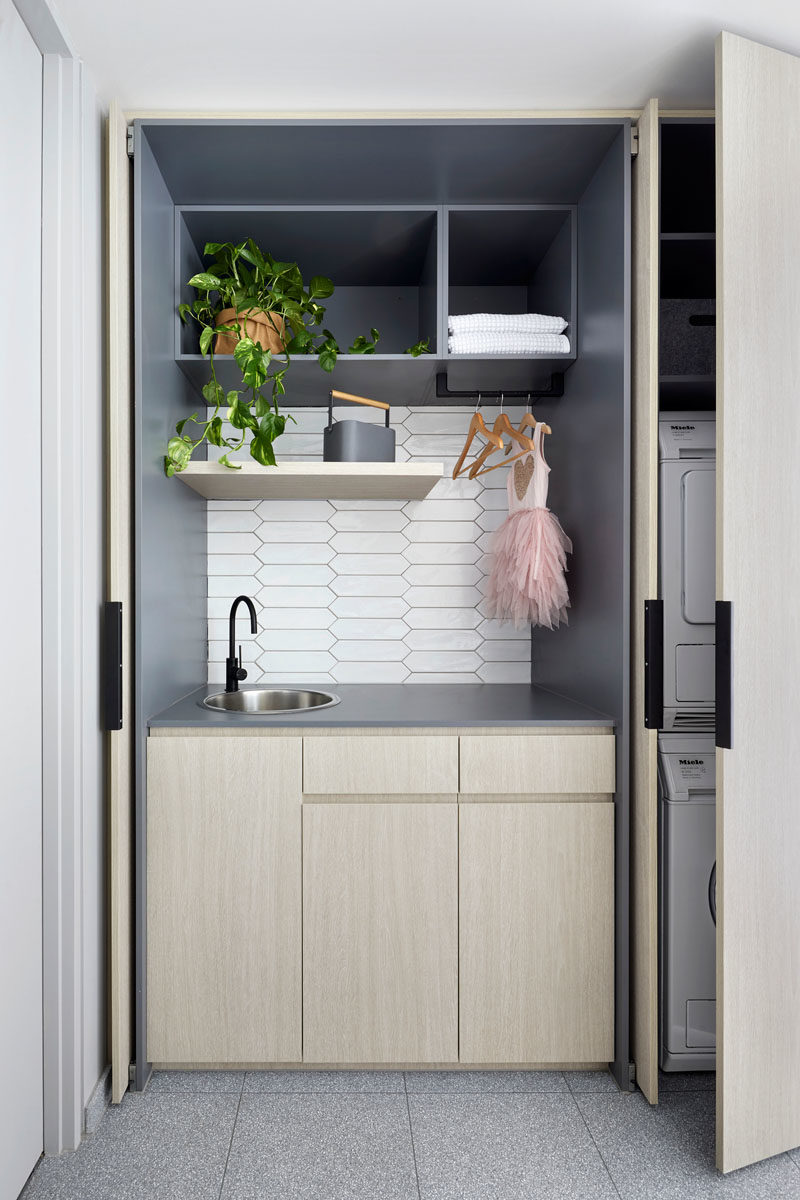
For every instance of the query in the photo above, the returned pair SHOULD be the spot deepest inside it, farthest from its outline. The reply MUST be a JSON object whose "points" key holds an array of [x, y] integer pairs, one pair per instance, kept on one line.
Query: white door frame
{"points": [[62, 555]]}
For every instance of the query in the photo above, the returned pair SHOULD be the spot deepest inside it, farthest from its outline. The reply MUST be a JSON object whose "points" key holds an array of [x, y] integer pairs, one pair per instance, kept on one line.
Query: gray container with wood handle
{"points": [[357, 441]]}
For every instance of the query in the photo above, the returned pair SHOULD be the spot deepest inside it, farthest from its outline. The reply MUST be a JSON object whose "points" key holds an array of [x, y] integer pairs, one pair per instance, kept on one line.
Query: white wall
{"points": [[21, 1100], [73, 533]]}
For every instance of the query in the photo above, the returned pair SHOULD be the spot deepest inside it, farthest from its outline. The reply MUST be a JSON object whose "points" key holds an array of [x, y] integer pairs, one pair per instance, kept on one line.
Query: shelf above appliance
{"points": [[313, 481]]}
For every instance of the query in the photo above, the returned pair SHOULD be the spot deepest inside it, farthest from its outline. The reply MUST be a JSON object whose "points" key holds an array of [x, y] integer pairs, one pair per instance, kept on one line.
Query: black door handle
{"points": [[723, 671], [112, 665], [653, 664]]}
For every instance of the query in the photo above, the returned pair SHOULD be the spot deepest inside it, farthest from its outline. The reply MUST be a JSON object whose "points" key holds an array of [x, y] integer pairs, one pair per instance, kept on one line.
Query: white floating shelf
{"points": [[313, 481]]}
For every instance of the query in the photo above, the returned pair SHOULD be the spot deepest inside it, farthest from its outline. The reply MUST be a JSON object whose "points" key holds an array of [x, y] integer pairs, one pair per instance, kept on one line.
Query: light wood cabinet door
{"points": [[224, 876], [536, 933], [758, 573], [644, 586], [380, 933], [119, 565]]}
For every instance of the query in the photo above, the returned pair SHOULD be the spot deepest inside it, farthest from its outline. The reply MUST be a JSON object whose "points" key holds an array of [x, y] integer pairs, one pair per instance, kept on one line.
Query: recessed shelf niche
{"points": [[687, 275], [383, 262], [688, 180], [515, 259]]}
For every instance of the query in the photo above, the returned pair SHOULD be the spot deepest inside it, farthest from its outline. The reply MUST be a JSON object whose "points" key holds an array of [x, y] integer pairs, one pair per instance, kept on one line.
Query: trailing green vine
{"points": [[253, 284]]}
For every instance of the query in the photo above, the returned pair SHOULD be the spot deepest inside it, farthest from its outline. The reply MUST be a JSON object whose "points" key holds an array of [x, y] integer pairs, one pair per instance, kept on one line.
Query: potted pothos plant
{"points": [[262, 312]]}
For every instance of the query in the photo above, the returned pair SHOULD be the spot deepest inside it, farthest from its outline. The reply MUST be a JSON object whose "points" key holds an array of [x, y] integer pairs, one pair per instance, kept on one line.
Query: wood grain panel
{"points": [[321, 731], [644, 576], [550, 764], [539, 797], [536, 938], [224, 900], [758, 570], [385, 798], [119, 588], [382, 765], [313, 481], [380, 933]]}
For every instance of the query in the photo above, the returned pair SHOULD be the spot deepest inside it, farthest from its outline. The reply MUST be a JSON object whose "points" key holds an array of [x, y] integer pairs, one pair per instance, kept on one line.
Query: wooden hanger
{"points": [[476, 425], [501, 426], [529, 422]]}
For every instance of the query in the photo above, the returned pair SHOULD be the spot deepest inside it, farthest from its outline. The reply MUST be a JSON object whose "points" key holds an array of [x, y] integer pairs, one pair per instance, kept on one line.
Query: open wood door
{"points": [[644, 549], [758, 574], [119, 485]]}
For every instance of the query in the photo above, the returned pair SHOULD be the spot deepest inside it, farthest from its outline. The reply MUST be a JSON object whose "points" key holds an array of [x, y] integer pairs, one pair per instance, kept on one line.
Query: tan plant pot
{"points": [[265, 328]]}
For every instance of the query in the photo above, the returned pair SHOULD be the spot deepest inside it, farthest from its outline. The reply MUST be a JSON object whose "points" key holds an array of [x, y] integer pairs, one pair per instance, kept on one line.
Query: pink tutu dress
{"points": [[529, 550]]}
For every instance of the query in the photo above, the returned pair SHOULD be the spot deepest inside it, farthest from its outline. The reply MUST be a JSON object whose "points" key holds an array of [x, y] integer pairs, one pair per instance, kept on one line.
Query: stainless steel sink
{"points": [[251, 701]]}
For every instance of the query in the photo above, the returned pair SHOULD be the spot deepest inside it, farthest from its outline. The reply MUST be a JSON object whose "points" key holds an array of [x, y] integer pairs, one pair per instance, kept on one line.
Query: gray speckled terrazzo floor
{"points": [[390, 1135]]}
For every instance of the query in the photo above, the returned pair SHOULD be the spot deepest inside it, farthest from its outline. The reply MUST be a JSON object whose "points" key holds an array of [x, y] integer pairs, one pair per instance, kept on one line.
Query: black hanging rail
{"points": [[555, 390]]}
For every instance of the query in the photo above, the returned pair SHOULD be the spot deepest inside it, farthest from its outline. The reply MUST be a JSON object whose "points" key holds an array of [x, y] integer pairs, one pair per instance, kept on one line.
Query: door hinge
{"points": [[634, 140], [130, 141], [632, 1074], [131, 1072]]}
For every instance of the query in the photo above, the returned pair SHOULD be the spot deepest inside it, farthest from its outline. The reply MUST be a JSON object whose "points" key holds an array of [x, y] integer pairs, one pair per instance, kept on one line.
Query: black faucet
{"points": [[234, 671]]}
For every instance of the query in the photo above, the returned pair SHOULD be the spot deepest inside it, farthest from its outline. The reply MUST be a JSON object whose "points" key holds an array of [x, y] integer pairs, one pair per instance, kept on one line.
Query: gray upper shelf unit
{"points": [[412, 219], [402, 270]]}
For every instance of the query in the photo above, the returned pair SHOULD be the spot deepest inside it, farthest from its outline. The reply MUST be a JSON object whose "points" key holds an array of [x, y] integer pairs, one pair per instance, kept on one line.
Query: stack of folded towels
{"points": [[507, 333]]}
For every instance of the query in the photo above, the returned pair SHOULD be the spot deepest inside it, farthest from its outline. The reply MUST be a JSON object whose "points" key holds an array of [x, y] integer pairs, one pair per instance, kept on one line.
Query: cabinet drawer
{"points": [[380, 765], [551, 763]]}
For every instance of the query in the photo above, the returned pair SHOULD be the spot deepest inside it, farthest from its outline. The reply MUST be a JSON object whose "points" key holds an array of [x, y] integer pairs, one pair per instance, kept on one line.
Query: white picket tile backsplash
{"points": [[441, 553], [429, 573], [294, 574], [443, 618], [369, 543], [368, 521], [369, 585], [372, 564], [366, 591], [370, 627], [369, 606], [304, 553]]}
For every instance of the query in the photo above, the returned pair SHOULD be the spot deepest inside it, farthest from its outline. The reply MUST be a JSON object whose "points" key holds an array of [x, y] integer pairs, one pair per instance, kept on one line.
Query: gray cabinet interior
{"points": [[687, 265], [383, 262], [388, 208]]}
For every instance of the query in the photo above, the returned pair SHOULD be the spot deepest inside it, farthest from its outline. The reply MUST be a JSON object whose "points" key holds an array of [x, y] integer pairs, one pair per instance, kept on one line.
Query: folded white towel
{"points": [[506, 323], [508, 343]]}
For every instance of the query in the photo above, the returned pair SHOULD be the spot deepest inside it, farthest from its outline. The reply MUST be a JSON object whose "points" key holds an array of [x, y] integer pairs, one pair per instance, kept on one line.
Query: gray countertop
{"points": [[364, 705]]}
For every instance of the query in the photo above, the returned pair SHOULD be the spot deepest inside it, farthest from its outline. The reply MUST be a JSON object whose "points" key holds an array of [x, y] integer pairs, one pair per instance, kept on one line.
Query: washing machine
{"points": [[687, 901], [687, 566]]}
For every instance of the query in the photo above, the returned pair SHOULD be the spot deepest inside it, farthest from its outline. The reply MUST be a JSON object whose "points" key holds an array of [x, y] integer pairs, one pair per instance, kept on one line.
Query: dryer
{"points": [[687, 902], [686, 562]]}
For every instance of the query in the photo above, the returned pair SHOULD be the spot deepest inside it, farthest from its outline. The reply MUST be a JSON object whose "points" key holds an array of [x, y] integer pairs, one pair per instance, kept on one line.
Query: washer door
{"points": [[688, 929]]}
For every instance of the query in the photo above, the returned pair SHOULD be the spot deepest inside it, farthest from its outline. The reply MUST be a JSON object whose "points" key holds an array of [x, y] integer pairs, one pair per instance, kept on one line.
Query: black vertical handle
{"points": [[723, 672], [112, 665], [653, 664]]}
